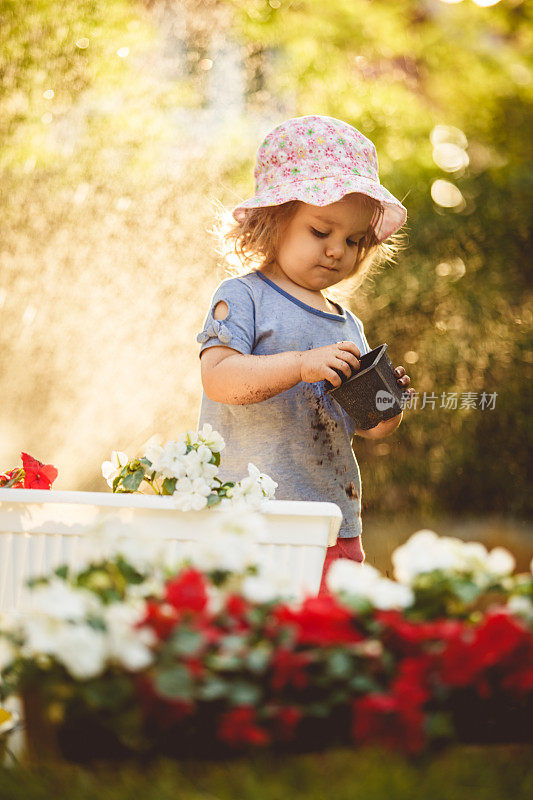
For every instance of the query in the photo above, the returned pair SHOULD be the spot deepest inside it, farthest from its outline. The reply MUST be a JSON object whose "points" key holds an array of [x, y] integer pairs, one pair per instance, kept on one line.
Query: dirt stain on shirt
{"points": [[351, 491]]}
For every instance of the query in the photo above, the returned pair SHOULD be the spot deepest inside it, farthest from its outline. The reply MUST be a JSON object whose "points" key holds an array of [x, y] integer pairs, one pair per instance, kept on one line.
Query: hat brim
{"points": [[326, 190]]}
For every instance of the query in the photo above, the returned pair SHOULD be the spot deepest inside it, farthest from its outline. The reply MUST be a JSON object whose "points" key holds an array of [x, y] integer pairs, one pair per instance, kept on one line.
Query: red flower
{"points": [[500, 644], [236, 605], [411, 685], [289, 669], [162, 618], [195, 666], [407, 637], [187, 591], [320, 621], [238, 727], [381, 719], [166, 712], [37, 475], [286, 721], [9, 475]]}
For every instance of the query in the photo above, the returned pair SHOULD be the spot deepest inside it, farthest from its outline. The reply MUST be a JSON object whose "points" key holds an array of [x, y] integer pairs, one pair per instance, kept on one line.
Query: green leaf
{"points": [[185, 642], [132, 481], [363, 684], [467, 591], [225, 662], [214, 689], [243, 693], [175, 683], [169, 485], [233, 642], [257, 660], [216, 459], [318, 710], [213, 499], [439, 726], [62, 572], [340, 664]]}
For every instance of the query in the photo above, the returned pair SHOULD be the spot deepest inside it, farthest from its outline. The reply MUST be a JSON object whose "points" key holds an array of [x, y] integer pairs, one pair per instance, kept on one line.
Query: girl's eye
{"points": [[321, 235]]}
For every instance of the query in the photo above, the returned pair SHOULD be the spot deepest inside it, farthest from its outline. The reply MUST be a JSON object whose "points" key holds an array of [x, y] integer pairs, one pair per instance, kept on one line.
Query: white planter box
{"points": [[39, 530]]}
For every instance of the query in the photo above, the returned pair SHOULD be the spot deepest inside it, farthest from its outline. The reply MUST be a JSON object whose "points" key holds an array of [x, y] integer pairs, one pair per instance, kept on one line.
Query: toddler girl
{"points": [[272, 336]]}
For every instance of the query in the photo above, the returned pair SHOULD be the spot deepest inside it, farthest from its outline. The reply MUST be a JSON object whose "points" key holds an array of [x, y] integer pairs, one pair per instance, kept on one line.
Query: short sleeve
{"points": [[361, 331], [237, 329]]}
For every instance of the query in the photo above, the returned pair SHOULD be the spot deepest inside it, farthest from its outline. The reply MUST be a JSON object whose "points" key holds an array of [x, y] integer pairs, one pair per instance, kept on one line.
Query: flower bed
{"points": [[127, 656]]}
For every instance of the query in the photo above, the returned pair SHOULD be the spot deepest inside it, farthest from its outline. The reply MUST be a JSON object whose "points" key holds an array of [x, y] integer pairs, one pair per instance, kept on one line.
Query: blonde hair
{"points": [[254, 242]]}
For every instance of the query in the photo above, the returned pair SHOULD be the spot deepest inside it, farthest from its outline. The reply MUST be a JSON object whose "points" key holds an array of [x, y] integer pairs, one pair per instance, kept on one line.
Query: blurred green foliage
{"points": [[88, 194], [462, 773], [396, 71]]}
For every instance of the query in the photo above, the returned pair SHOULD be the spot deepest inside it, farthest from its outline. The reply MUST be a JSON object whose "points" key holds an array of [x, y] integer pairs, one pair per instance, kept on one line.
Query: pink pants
{"points": [[345, 548]]}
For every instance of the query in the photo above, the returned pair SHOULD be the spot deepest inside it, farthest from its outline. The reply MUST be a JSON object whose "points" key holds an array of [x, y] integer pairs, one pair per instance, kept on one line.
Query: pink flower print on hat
{"points": [[319, 160]]}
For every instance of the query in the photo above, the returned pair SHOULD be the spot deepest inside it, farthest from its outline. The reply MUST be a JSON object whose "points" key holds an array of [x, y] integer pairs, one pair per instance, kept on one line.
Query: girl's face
{"points": [[320, 243]]}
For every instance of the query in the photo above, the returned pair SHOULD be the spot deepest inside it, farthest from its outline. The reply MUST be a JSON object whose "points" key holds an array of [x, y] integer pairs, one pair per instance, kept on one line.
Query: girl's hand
{"points": [[320, 363], [403, 380]]}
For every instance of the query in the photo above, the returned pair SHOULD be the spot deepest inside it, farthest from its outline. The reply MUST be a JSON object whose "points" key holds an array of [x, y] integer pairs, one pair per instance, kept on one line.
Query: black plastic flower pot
{"points": [[371, 394]]}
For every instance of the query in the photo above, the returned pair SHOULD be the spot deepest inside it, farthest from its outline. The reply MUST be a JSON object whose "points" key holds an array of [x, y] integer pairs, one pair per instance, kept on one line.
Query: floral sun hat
{"points": [[319, 160]]}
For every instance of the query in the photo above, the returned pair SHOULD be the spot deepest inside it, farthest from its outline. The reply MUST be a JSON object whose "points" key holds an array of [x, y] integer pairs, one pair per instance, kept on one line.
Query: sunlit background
{"points": [[123, 122]]}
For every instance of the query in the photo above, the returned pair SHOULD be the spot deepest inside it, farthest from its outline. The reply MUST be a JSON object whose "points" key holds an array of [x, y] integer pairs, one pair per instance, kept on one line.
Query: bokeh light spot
{"points": [[411, 357], [450, 157], [48, 94], [123, 52], [82, 43], [446, 194]]}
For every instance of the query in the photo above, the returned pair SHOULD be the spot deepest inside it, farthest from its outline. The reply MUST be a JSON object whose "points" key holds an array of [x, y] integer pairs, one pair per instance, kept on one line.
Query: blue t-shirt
{"points": [[300, 437]]}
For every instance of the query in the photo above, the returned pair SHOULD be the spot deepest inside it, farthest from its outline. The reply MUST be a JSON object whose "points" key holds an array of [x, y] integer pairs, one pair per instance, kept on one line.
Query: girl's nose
{"points": [[335, 250]]}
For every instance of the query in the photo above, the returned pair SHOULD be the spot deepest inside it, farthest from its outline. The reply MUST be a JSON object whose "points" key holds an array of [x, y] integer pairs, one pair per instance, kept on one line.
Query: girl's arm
{"points": [[382, 429], [238, 379]]}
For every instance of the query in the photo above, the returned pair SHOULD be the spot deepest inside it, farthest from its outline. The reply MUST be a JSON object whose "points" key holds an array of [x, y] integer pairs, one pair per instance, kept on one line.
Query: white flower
{"points": [[386, 594], [522, 606], [500, 562], [57, 600], [472, 557], [245, 493], [272, 581], [211, 438], [192, 438], [152, 587], [350, 576], [365, 581], [40, 635], [189, 501], [266, 483], [110, 469], [230, 552], [81, 649], [215, 599], [257, 589], [126, 644], [168, 461], [423, 552], [154, 454], [7, 653]]}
